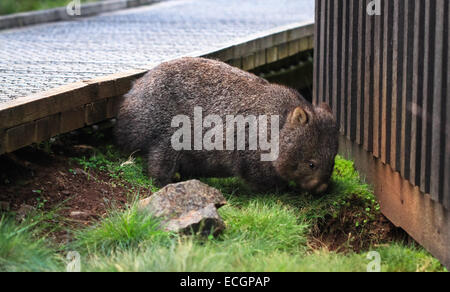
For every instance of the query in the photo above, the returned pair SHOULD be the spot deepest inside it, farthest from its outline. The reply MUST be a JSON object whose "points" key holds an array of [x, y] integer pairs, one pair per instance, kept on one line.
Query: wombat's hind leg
{"points": [[162, 165]]}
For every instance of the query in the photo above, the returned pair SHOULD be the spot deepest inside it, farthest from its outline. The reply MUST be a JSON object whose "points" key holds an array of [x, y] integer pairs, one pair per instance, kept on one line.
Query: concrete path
{"points": [[37, 58]]}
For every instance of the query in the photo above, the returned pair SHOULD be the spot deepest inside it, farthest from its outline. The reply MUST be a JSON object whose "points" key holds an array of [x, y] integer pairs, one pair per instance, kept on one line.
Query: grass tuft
{"points": [[121, 229], [22, 247]]}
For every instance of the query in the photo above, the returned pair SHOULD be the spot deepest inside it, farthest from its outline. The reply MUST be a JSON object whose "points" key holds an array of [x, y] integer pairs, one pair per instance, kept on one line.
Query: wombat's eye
{"points": [[312, 165]]}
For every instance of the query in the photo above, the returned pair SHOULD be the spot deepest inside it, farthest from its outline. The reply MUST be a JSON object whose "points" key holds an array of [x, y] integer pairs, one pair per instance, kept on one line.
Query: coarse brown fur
{"points": [[308, 134]]}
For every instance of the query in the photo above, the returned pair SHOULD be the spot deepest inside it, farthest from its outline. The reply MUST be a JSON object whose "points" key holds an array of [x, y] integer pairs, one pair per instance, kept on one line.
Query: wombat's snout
{"points": [[320, 189], [316, 186]]}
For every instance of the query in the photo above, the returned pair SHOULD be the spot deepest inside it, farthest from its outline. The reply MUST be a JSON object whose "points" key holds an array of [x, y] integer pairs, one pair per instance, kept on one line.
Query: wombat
{"points": [[308, 135]]}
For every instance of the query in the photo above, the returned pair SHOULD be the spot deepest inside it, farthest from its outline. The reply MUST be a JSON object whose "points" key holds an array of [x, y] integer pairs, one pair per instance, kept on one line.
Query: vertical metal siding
{"points": [[386, 78]]}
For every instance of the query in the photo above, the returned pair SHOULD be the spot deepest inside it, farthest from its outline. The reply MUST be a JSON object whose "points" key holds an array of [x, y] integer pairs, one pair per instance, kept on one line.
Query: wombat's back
{"points": [[176, 87]]}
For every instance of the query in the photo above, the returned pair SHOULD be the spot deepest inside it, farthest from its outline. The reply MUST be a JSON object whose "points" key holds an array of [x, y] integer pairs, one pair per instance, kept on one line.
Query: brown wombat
{"points": [[308, 135]]}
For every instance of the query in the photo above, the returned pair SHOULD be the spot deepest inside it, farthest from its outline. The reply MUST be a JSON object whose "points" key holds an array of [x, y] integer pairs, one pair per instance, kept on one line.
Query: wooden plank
{"points": [[260, 58], [410, 57], [96, 112], [272, 55], [244, 49], [310, 42], [304, 44], [368, 81], [283, 51], [124, 80], [427, 112], [343, 75], [446, 95], [302, 32], [2, 141], [387, 82], [359, 94], [72, 119], [321, 51], [392, 138], [44, 104], [47, 128], [248, 63], [335, 93], [438, 134], [415, 100], [316, 67], [378, 37], [65, 97], [236, 63], [105, 86], [353, 81], [20, 136], [113, 107], [293, 47], [328, 66], [350, 80], [280, 38]]}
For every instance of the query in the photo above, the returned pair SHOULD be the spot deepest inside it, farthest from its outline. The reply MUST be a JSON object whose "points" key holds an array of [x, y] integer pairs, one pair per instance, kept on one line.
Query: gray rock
{"points": [[187, 206]]}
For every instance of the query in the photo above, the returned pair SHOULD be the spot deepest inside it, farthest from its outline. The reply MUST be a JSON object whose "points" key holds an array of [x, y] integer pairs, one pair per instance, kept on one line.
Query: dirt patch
{"points": [[348, 232], [31, 177]]}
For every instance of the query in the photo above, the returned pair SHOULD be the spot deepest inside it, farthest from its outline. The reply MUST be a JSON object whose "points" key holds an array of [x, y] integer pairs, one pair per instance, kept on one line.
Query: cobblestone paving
{"points": [[41, 57]]}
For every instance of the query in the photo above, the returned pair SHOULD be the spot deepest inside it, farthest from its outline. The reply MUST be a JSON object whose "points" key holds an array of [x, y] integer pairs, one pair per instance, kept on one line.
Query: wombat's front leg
{"points": [[162, 165]]}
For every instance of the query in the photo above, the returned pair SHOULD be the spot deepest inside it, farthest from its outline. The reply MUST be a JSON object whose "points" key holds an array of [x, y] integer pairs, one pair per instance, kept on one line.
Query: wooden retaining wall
{"points": [[386, 78]]}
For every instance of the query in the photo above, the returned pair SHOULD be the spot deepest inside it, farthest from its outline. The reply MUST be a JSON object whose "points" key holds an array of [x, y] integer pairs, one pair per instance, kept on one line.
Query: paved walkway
{"points": [[41, 57]]}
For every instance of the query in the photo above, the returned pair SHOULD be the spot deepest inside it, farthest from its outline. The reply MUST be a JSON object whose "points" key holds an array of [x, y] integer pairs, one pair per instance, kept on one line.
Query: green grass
{"points": [[121, 230], [15, 6], [24, 248], [265, 232], [125, 169]]}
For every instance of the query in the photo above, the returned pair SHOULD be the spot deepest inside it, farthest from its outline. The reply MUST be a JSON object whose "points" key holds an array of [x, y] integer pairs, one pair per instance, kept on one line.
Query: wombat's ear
{"points": [[326, 107], [299, 116]]}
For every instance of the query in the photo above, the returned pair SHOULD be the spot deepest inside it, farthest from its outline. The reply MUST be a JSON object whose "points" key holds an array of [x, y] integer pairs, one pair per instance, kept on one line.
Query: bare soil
{"points": [[343, 235], [32, 177]]}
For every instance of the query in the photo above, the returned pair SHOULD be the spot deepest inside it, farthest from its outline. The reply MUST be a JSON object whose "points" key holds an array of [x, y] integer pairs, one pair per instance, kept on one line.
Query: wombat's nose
{"points": [[320, 189]]}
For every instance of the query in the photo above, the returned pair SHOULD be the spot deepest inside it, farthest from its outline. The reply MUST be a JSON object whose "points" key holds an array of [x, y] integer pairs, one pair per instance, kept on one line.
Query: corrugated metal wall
{"points": [[387, 79]]}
